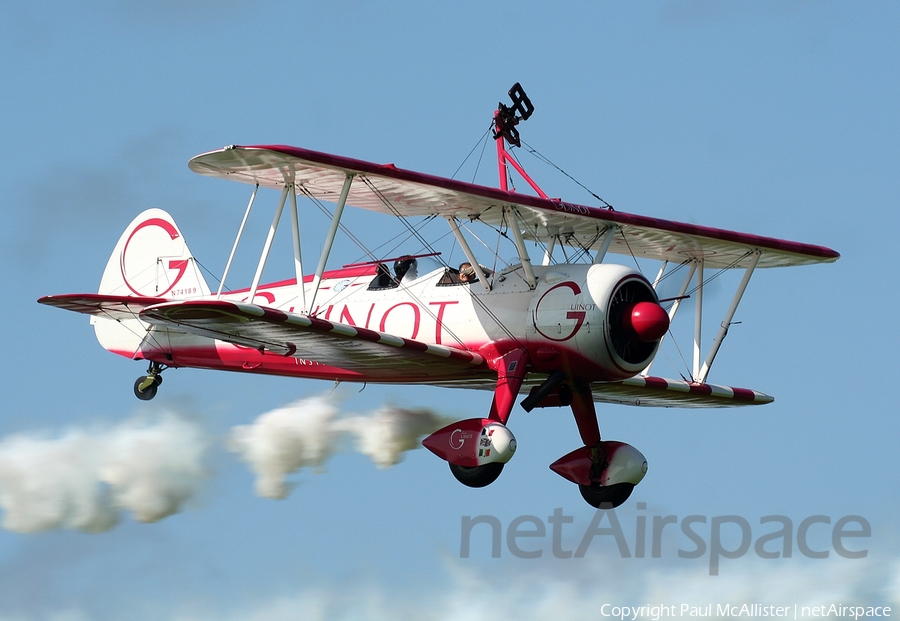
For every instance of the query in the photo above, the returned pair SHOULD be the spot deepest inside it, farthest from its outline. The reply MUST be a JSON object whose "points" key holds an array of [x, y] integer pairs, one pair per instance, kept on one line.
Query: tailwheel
{"points": [[606, 496], [146, 386], [477, 476]]}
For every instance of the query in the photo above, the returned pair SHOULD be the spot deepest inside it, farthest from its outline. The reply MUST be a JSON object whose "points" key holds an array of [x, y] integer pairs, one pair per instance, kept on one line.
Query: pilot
{"points": [[405, 265], [466, 272]]}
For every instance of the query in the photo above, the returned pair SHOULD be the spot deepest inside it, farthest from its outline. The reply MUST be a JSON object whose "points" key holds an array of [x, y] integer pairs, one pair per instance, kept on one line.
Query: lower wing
{"points": [[375, 354], [649, 392], [669, 393]]}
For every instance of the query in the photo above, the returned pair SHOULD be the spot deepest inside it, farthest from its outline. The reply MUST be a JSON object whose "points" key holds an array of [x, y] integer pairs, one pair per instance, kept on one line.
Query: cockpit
{"points": [[408, 269]]}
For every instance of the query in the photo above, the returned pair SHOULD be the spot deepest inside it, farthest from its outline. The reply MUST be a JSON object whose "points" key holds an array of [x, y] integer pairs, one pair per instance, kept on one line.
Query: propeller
{"points": [[636, 322]]}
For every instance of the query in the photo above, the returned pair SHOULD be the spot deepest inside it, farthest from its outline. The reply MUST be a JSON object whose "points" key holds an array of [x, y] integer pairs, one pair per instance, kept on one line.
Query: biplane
{"points": [[567, 333]]}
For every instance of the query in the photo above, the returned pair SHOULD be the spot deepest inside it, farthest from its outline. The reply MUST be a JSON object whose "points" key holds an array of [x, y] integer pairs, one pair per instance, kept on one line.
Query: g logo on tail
{"points": [[175, 264]]}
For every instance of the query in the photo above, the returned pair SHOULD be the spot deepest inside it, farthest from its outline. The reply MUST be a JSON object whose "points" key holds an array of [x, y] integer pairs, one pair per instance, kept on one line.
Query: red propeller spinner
{"points": [[648, 320]]}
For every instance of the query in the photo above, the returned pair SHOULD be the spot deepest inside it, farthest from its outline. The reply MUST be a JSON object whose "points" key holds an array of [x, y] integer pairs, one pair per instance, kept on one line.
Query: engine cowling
{"points": [[635, 322], [603, 319]]}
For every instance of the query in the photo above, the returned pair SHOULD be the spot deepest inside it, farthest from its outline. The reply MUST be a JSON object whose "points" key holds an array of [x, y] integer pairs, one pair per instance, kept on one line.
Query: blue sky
{"points": [[767, 117]]}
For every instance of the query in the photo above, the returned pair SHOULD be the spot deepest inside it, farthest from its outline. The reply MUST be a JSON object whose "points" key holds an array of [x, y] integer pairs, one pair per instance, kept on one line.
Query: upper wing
{"points": [[386, 188], [110, 306], [354, 349]]}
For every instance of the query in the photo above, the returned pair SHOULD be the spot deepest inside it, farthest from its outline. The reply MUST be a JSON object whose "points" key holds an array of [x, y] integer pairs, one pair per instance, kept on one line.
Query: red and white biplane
{"points": [[568, 334]]}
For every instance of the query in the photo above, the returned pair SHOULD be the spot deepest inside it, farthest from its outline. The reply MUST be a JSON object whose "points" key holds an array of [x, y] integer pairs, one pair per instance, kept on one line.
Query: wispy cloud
{"points": [[89, 200], [593, 589]]}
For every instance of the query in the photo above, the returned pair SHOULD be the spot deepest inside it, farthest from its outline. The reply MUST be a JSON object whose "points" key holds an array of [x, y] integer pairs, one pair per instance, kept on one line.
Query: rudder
{"points": [[152, 259]]}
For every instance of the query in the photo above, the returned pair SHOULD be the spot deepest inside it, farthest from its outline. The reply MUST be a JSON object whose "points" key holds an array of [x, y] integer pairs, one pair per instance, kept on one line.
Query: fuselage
{"points": [[563, 323]]}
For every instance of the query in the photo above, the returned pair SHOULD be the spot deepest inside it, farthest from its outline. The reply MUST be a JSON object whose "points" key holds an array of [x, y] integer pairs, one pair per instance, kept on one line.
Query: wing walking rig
{"points": [[568, 334]]}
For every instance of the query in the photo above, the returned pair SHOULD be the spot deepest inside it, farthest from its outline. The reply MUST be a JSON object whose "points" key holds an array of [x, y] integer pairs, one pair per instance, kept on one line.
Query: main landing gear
{"points": [[606, 496], [477, 476], [605, 471], [477, 448], [145, 386]]}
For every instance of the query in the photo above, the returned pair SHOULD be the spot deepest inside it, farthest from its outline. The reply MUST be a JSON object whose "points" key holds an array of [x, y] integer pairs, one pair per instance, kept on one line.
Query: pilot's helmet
{"points": [[467, 271], [405, 265]]}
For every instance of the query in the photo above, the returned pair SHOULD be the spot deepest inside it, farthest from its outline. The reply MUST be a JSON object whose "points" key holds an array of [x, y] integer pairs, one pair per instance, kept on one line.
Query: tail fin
{"points": [[153, 260], [150, 260]]}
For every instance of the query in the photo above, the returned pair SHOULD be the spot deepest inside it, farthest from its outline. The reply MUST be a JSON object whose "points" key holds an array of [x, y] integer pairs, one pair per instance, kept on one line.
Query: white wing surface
{"points": [[388, 189]]}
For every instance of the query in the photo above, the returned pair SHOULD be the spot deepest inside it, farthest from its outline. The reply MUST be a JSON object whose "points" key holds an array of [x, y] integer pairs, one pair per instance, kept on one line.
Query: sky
{"points": [[774, 118]]}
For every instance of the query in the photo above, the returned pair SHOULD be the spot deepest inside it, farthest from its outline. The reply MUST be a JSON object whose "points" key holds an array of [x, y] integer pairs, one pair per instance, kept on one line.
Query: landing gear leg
{"points": [[511, 369], [145, 387], [586, 418], [595, 494]]}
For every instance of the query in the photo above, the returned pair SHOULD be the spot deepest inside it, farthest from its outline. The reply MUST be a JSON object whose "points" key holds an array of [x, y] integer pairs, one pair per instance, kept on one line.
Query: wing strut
{"points": [[237, 240], [468, 252], [674, 309], [548, 251], [729, 315], [523, 251], [659, 274], [298, 257], [698, 321], [608, 236], [329, 240], [268, 245], [700, 372]]}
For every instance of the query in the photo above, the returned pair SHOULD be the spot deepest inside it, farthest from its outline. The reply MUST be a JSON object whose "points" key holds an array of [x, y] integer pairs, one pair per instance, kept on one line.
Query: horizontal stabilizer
{"points": [[109, 306]]}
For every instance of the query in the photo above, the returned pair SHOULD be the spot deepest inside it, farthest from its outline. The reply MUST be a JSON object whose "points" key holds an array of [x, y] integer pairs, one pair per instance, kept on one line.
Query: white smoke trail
{"points": [[390, 431], [84, 479], [307, 432], [286, 439]]}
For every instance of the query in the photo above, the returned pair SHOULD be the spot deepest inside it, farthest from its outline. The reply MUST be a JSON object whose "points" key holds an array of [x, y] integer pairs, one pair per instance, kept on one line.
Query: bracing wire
{"points": [[689, 293], [482, 141], [718, 273], [207, 270], [484, 145], [387, 203], [547, 161]]}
